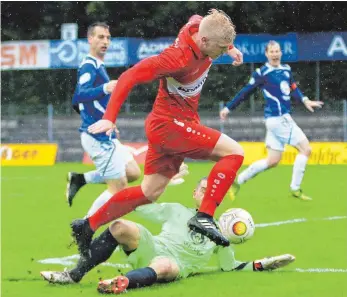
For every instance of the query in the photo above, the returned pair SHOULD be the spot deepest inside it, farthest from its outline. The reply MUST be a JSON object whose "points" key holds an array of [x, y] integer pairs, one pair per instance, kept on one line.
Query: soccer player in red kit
{"points": [[173, 127]]}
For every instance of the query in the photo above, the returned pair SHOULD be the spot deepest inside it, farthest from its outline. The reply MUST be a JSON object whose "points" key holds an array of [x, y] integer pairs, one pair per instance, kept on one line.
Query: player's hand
{"points": [[111, 85], [102, 126], [223, 114], [236, 55], [311, 104], [116, 131]]}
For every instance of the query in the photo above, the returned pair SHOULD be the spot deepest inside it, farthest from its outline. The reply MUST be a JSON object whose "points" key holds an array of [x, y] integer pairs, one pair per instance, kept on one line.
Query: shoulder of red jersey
{"points": [[176, 55], [180, 49], [192, 26], [195, 18]]}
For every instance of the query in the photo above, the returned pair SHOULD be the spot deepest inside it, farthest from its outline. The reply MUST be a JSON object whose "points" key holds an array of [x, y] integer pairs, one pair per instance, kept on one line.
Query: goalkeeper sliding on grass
{"points": [[177, 252]]}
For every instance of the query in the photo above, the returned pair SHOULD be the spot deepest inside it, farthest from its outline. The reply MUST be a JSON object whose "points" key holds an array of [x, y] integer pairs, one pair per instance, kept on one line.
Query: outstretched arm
{"points": [[236, 54], [255, 81], [227, 261], [299, 96], [168, 62]]}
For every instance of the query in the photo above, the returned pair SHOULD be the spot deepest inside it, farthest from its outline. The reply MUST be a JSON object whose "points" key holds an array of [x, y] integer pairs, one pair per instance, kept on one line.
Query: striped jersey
{"points": [[90, 98], [277, 85]]}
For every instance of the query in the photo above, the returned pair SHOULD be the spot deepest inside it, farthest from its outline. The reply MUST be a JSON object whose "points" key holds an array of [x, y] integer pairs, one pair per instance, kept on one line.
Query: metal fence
{"points": [[15, 111]]}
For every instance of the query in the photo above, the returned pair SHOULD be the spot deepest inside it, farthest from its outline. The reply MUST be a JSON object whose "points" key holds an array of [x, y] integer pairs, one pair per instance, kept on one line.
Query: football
{"points": [[237, 225]]}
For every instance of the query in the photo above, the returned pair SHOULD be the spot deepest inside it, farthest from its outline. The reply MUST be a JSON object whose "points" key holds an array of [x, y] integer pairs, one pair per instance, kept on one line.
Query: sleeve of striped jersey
{"points": [[85, 90], [295, 91], [166, 63], [255, 81]]}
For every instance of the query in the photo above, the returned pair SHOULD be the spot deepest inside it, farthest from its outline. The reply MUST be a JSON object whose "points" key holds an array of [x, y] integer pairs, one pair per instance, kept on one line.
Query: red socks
{"points": [[219, 181], [119, 205]]}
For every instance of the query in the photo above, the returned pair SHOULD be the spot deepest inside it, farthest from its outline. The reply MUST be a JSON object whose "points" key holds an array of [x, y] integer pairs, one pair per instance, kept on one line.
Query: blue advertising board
{"points": [[63, 54], [330, 46], [253, 47], [69, 54], [140, 48]]}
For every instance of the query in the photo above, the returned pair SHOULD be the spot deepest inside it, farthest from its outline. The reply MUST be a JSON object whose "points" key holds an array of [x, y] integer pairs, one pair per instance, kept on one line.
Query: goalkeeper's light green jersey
{"points": [[192, 251]]}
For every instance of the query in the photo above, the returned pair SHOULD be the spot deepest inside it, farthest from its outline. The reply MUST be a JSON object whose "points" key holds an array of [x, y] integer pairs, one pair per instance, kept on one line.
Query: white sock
{"points": [[100, 201], [252, 171], [298, 171], [93, 177]]}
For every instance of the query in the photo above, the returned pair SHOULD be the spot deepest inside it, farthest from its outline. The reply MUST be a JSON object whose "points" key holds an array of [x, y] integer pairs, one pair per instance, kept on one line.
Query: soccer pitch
{"points": [[36, 218]]}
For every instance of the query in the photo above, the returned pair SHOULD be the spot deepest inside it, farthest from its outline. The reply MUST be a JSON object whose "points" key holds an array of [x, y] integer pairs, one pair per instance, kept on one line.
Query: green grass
{"points": [[35, 226]]}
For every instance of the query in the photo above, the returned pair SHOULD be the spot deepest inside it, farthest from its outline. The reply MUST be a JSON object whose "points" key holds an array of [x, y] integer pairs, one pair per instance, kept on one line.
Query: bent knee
{"points": [[273, 162], [238, 150], [116, 185], [165, 268], [306, 151], [133, 171], [134, 175], [235, 149], [152, 193], [226, 146], [126, 233], [119, 228]]}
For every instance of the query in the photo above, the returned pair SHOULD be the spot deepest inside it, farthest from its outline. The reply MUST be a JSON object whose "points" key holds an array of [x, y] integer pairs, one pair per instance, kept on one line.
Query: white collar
{"points": [[280, 66], [97, 60], [272, 67]]}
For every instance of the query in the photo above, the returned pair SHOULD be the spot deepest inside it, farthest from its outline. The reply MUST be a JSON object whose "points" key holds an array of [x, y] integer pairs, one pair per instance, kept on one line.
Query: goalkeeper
{"points": [[177, 252]]}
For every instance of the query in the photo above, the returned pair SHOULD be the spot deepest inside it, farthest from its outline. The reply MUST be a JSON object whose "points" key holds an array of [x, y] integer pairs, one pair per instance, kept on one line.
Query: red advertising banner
{"points": [[25, 55]]}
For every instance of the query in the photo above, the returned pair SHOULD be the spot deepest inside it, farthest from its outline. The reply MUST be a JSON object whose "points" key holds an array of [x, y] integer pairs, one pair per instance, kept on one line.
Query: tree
{"points": [[42, 20]]}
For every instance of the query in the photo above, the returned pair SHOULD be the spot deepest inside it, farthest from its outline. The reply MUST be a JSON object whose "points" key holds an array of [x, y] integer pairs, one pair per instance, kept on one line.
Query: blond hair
{"points": [[217, 25], [272, 43]]}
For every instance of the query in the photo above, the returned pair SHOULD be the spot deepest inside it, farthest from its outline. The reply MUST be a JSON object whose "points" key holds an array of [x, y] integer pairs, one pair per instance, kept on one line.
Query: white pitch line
{"points": [[5, 178], [70, 260], [281, 223], [116, 265], [321, 270], [335, 218], [299, 220]]}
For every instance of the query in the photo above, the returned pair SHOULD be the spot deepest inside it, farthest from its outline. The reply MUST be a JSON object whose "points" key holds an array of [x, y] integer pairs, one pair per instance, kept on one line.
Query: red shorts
{"points": [[170, 141]]}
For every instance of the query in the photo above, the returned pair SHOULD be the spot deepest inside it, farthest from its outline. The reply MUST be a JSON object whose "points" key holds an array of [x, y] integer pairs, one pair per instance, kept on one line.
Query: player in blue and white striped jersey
{"points": [[115, 165], [278, 86]]}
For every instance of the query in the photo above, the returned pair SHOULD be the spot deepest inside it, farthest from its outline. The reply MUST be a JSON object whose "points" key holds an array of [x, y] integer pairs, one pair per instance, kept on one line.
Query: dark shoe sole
{"points": [[215, 239]]}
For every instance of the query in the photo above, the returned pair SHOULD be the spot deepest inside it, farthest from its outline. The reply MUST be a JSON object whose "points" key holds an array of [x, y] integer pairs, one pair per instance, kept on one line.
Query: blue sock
{"points": [[93, 177]]}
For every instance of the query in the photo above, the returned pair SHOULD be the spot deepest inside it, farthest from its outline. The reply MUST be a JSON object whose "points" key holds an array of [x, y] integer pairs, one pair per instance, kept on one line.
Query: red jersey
{"points": [[182, 70]]}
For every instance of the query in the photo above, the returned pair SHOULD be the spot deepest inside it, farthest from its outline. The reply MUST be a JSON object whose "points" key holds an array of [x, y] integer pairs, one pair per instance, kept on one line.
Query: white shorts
{"points": [[282, 130], [110, 157]]}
